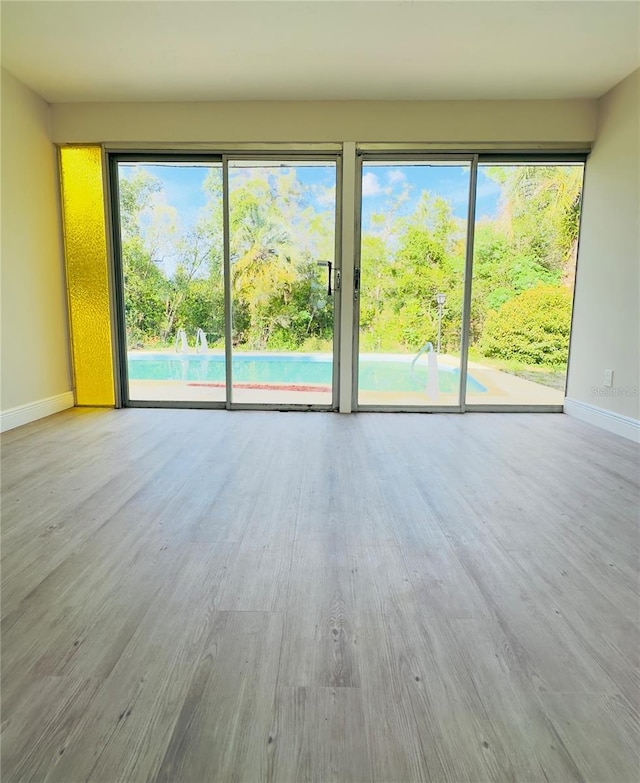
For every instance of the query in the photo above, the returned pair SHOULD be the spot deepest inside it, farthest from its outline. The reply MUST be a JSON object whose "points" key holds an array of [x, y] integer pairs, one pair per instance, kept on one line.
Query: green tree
{"points": [[196, 253], [541, 212], [276, 239], [145, 287], [374, 261], [428, 259], [262, 259], [499, 274]]}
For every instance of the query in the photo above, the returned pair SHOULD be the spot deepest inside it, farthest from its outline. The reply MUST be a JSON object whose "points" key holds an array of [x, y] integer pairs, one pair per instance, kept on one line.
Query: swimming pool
{"points": [[391, 373]]}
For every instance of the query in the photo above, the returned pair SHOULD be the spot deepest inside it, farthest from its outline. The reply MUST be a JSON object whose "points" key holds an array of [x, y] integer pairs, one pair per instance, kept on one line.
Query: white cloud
{"points": [[371, 185], [457, 195], [326, 196], [488, 188], [396, 176]]}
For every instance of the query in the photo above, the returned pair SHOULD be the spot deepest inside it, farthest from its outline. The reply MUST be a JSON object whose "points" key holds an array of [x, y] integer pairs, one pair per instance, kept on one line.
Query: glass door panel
{"points": [[171, 246], [414, 217], [525, 249], [282, 217]]}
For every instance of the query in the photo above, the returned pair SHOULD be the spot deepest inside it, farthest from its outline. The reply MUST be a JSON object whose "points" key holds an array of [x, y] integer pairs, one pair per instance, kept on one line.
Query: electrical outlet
{"points": [[608, 377]]}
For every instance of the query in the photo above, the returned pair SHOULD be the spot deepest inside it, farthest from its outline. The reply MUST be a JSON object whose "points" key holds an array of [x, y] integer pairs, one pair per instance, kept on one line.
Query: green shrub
{"points": [[533, 327]]}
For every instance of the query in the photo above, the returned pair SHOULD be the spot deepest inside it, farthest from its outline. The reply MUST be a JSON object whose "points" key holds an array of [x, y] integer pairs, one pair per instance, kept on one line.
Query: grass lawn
{"points": [[554, 377]]}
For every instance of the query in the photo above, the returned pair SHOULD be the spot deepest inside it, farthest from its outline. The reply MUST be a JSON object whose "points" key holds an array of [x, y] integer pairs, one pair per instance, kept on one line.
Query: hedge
{"points": [[533, 327]]}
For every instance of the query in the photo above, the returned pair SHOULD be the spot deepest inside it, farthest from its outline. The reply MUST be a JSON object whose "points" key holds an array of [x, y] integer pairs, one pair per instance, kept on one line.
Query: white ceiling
{"points": [[179, 50]]}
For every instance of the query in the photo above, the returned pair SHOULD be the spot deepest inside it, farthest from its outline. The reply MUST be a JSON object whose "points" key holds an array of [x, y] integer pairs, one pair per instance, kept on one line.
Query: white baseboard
{"points": [[24, 414], [607, 420]]}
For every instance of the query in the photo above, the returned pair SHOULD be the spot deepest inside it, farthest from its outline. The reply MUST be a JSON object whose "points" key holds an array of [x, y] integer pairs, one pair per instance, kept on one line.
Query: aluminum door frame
{"points": [[399, 157], [283, 156]]}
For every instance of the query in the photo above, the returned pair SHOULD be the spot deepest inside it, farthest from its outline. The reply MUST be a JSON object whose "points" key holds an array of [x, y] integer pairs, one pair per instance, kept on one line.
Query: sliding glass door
{"points": [[170, 241], [283, 276], [524, 265], [227, 279], [411, 272], [446, 320]]}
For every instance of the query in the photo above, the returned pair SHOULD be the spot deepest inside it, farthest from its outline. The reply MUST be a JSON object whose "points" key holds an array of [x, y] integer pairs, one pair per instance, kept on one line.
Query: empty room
{"points": [[319, 391]]}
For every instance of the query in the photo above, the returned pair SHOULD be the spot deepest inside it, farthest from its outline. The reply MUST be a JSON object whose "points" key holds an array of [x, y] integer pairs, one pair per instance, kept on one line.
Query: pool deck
{"points": [[179, 391], [502, 389]]}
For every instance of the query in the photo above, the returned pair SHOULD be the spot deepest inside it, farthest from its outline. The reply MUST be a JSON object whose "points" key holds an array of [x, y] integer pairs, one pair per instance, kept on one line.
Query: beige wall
{"points": [[33, 260], [364, 121], [35, 343], [606, 328], [35, 354]]}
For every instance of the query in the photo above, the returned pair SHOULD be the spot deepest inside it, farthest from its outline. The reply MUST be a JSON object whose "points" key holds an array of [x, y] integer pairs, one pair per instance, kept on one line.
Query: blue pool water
{"points": [[374, 374]]}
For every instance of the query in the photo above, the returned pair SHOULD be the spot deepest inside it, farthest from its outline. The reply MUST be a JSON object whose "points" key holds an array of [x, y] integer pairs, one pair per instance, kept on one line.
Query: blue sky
{"points": [[181, 185], [382, 184]]}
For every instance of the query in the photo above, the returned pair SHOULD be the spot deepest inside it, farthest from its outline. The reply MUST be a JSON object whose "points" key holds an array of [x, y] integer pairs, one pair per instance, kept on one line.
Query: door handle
{"points": [[329, 266]]}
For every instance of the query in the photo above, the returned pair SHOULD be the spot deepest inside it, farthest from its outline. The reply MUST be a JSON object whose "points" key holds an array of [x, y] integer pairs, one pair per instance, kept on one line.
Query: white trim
{"points": [[24, 414], [624, 426]]}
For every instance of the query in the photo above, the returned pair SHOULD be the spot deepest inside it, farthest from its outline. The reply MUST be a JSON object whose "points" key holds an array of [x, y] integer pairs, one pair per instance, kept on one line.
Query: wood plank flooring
{"points": [[200, 596]]}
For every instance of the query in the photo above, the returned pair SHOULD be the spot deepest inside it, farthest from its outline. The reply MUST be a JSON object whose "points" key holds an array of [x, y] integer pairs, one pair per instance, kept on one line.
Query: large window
{"points": [[449, 319], [524, 265], [412, 266], [228, 271]]}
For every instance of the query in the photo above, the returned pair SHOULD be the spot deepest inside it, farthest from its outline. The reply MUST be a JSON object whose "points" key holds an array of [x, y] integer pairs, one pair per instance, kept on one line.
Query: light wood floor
{"points": [[199, 596]]}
